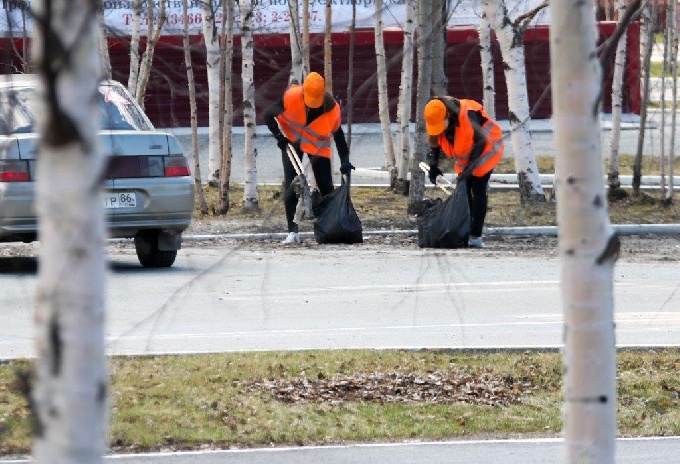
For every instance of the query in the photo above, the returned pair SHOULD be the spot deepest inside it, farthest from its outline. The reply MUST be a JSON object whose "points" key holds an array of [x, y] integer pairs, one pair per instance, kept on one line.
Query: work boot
{"points": [[292, 238], [475, 242]]}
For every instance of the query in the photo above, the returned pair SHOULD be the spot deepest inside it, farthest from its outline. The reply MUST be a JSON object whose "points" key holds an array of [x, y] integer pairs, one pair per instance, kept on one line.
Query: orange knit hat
{"points": [[435, 117], [313, 90]]}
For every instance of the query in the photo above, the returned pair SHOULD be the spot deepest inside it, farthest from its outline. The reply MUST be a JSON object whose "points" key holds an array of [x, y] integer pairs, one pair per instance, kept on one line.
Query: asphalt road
{"points": [[231, 298]]}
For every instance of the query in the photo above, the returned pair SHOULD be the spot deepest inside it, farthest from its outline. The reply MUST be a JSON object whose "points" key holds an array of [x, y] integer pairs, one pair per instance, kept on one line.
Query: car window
{"points": [[16, 115], [117, 110]]}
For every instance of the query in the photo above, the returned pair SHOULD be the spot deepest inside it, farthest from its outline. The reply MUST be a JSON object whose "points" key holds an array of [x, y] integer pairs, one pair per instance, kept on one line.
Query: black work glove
{"points": [[346, 166], [434, 173], [281, 141]]}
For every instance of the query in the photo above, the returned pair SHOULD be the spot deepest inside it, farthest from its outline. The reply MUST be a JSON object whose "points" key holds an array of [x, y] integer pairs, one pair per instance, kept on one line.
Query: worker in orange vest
{"points": [[463, 131], [306, 117]]}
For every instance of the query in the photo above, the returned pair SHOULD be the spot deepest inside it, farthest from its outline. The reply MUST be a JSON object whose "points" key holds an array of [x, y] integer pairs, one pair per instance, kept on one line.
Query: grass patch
{"points": [[264, 399], [380, 208]]}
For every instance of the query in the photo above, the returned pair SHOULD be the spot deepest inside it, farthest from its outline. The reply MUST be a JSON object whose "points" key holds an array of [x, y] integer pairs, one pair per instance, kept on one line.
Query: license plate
{"points": [[120, 200]]}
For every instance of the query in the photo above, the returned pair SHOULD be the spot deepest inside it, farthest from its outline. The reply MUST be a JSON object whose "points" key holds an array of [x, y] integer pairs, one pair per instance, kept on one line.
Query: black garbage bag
{"points": [[445, 223], [336, 219]]}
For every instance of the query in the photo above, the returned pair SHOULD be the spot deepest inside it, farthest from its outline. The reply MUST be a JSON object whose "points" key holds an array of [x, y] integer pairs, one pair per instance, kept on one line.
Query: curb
{"points": [[548, 231]]}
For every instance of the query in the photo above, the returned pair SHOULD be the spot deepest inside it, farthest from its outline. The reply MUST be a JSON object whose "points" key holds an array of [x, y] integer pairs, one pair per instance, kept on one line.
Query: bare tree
{"points": [[152, 37], [191, 83], [424, 85], [488, 72], [228, 103], [350, 75], [617, 97], [510, 35], [250, 200], [588, 246], [104, 45], [135, 32], [405, 95], [212, 66], [440, 83], [672, 46], [328, 47], [383, 96], [70, 392], [297, 67], [649, 13]]}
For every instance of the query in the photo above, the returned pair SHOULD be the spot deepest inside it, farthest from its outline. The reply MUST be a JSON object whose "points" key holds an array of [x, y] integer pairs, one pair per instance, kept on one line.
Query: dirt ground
{"points": [[634, 248]]}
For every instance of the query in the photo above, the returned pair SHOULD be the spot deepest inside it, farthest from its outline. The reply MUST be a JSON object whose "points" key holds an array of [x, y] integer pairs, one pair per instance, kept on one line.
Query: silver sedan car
{"points": [[148, 191]]}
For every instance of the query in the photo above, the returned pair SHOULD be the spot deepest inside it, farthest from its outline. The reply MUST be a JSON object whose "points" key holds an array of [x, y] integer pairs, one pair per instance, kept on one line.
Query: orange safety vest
{"points": [[315, 139], [464, 141]]}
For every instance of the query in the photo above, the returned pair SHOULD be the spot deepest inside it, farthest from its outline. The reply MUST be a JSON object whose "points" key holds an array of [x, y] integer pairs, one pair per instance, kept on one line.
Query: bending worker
{"points": [[464, 132], [306, 117]]}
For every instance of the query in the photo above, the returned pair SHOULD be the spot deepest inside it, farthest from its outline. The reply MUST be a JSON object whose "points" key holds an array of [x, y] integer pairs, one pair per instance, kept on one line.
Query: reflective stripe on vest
{"points": [[315, 138]]}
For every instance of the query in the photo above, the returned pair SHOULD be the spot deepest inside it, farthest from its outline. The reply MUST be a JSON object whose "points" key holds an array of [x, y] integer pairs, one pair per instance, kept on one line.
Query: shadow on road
{"points": [[19, 265]]}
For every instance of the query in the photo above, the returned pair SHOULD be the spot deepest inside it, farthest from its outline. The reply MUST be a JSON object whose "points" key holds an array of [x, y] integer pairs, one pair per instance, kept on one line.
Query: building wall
{"points": [[167, 101]]}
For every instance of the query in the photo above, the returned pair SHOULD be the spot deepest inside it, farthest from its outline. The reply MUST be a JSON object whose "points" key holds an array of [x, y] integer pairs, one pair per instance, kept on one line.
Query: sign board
{"points": [[270, 16]]}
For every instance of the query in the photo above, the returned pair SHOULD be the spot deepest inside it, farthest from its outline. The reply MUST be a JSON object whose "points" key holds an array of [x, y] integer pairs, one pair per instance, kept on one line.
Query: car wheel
{"points": [[146, 246]]}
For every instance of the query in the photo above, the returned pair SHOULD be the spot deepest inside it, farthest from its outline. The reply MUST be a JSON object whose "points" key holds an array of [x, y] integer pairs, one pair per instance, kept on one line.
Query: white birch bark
{"points": [[305, 36], [250, 200], [212, 66], [617, 97], [133, 77], [673, 14], [486, 55], [104, 46], [512, 49], [588, 247], [383, 97], [646, 44], [424, 85], [191, 84], [228, 121], [297, 65], [70, 391], [439, 79], [405, 95], [153, 34], [328, 47]]}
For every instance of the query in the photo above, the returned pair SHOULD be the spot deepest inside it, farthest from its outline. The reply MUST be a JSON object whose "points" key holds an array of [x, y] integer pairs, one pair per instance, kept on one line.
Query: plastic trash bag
{"points": [[445, 223], [336, 219]]}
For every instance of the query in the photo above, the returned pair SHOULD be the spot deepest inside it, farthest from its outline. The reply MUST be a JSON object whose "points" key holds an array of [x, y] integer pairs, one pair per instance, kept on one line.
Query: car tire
{"points": [[146, 246]]}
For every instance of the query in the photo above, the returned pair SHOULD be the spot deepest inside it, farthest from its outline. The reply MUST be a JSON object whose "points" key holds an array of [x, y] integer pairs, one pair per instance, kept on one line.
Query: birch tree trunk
{"points": [[328, 47], [440, 82], [198, 185], [70, 391], [151, 40], [383, 97], [133, 77], [488, 72], [617, 97], [250, 201], [212, 67], [647, 42], [511, 40], [350, 75], [297, 66], [305, 36], [104, 46], [588, 246], [228, 117], [673, 13], [424, 85], [405, 95]]}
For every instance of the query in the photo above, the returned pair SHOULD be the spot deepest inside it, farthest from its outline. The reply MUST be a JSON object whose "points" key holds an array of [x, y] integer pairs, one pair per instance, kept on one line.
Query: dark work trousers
{"points": [[324, 180], [477, 198]]}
